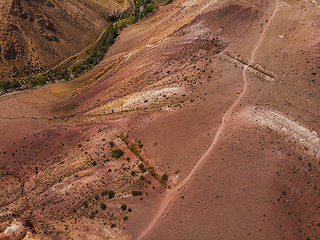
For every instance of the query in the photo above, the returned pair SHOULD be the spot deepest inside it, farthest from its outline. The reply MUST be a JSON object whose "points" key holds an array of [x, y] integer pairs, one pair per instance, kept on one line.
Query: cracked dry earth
{"points": [[187, 94]]}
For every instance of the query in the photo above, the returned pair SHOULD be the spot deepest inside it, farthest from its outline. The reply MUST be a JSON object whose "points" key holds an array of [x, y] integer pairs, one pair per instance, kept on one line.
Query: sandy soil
{"points": [[240, 152]]}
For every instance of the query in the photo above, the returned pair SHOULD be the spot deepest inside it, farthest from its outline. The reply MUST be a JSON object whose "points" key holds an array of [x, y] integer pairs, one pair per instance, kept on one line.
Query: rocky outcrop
{"points": [[12, 44]]}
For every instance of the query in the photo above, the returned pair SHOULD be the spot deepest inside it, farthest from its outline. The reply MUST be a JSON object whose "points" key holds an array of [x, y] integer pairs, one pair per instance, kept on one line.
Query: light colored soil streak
{"points": [[170, 194]]}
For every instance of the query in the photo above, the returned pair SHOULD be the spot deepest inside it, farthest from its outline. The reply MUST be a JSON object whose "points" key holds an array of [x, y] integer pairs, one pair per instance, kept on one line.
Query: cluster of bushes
{"points": [[110, 193], [31, 82], [117, 153], [136, 193], [97, 55], [26, 70], [142, 168], [93, 213], [5, 85], [147, 7]]}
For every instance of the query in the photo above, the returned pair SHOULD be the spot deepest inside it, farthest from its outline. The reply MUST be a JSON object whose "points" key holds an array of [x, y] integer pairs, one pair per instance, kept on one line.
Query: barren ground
{"points": [[170, 94]]}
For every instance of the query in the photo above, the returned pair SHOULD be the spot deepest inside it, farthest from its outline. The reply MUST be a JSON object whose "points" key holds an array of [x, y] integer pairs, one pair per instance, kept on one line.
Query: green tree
{"points": [[103, 206]]}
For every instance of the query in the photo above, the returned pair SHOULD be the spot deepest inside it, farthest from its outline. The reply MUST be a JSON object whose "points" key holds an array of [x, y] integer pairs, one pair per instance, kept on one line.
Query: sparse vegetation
{"points": [[85, 204]]}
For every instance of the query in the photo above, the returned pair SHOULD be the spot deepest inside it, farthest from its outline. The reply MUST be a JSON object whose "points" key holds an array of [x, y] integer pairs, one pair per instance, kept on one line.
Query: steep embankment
{"points": [[35, 35]]}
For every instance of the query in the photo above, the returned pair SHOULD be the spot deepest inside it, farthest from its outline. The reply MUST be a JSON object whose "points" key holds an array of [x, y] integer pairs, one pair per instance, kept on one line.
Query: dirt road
{"points": [[170, 194]]}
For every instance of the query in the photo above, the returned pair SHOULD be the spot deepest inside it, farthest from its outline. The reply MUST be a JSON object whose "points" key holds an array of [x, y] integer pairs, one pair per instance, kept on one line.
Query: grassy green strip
{"points": [[133, 148], [243, 62], [117, 22]]}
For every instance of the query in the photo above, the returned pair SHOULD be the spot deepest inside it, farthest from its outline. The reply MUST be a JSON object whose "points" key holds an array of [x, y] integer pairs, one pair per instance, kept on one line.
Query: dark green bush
{"points": [[103, 206], [104, 193], [142, 168], [117, 153], [91, 215], [151, 171], [124, 207], [85, 204], [164, 177], [111, 194]]}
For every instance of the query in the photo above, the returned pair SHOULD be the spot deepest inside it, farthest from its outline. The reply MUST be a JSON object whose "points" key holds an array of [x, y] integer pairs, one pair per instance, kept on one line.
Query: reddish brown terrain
{"points": [[35, 35], [201, 122]]}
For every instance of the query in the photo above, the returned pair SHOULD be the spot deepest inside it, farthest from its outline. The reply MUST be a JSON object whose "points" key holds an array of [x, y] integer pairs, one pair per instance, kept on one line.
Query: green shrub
{"points": [[125, 218], [103, 206], [117, 153], [111, 194], [124, 207], [113, 225], [85, 204], [142, 168], [151, 171], [15, 84], [104, 193], [164, 177], [129, 210]]}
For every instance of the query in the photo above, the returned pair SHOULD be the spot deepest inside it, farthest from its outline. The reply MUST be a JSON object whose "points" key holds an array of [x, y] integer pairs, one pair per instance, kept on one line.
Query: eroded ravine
{"points": [[170, 194]]}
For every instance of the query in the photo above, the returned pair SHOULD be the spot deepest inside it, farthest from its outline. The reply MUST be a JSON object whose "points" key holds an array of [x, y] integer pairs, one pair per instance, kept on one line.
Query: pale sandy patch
{"points": [[291, 128], [15, 228], [139, 100]]}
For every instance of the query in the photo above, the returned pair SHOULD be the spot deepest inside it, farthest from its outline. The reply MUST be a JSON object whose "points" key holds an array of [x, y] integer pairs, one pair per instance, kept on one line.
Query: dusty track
{"points": [[170, 194]]}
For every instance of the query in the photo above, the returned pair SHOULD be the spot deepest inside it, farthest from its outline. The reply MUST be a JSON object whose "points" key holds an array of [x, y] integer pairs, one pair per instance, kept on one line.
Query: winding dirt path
{"points": [[170, 194]]}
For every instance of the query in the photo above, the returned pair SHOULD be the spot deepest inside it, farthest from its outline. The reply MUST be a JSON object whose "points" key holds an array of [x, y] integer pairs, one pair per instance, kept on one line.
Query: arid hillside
{"points": [[35, 35], [201, 122]]}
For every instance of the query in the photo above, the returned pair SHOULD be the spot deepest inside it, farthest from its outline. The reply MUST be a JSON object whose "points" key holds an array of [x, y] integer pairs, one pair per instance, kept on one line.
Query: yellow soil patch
{"points": [[92, 81], [138, 100]]}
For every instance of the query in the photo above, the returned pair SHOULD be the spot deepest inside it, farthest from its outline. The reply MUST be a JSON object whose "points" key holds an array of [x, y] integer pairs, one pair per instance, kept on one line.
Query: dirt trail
{"points": [[169, 194]]}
